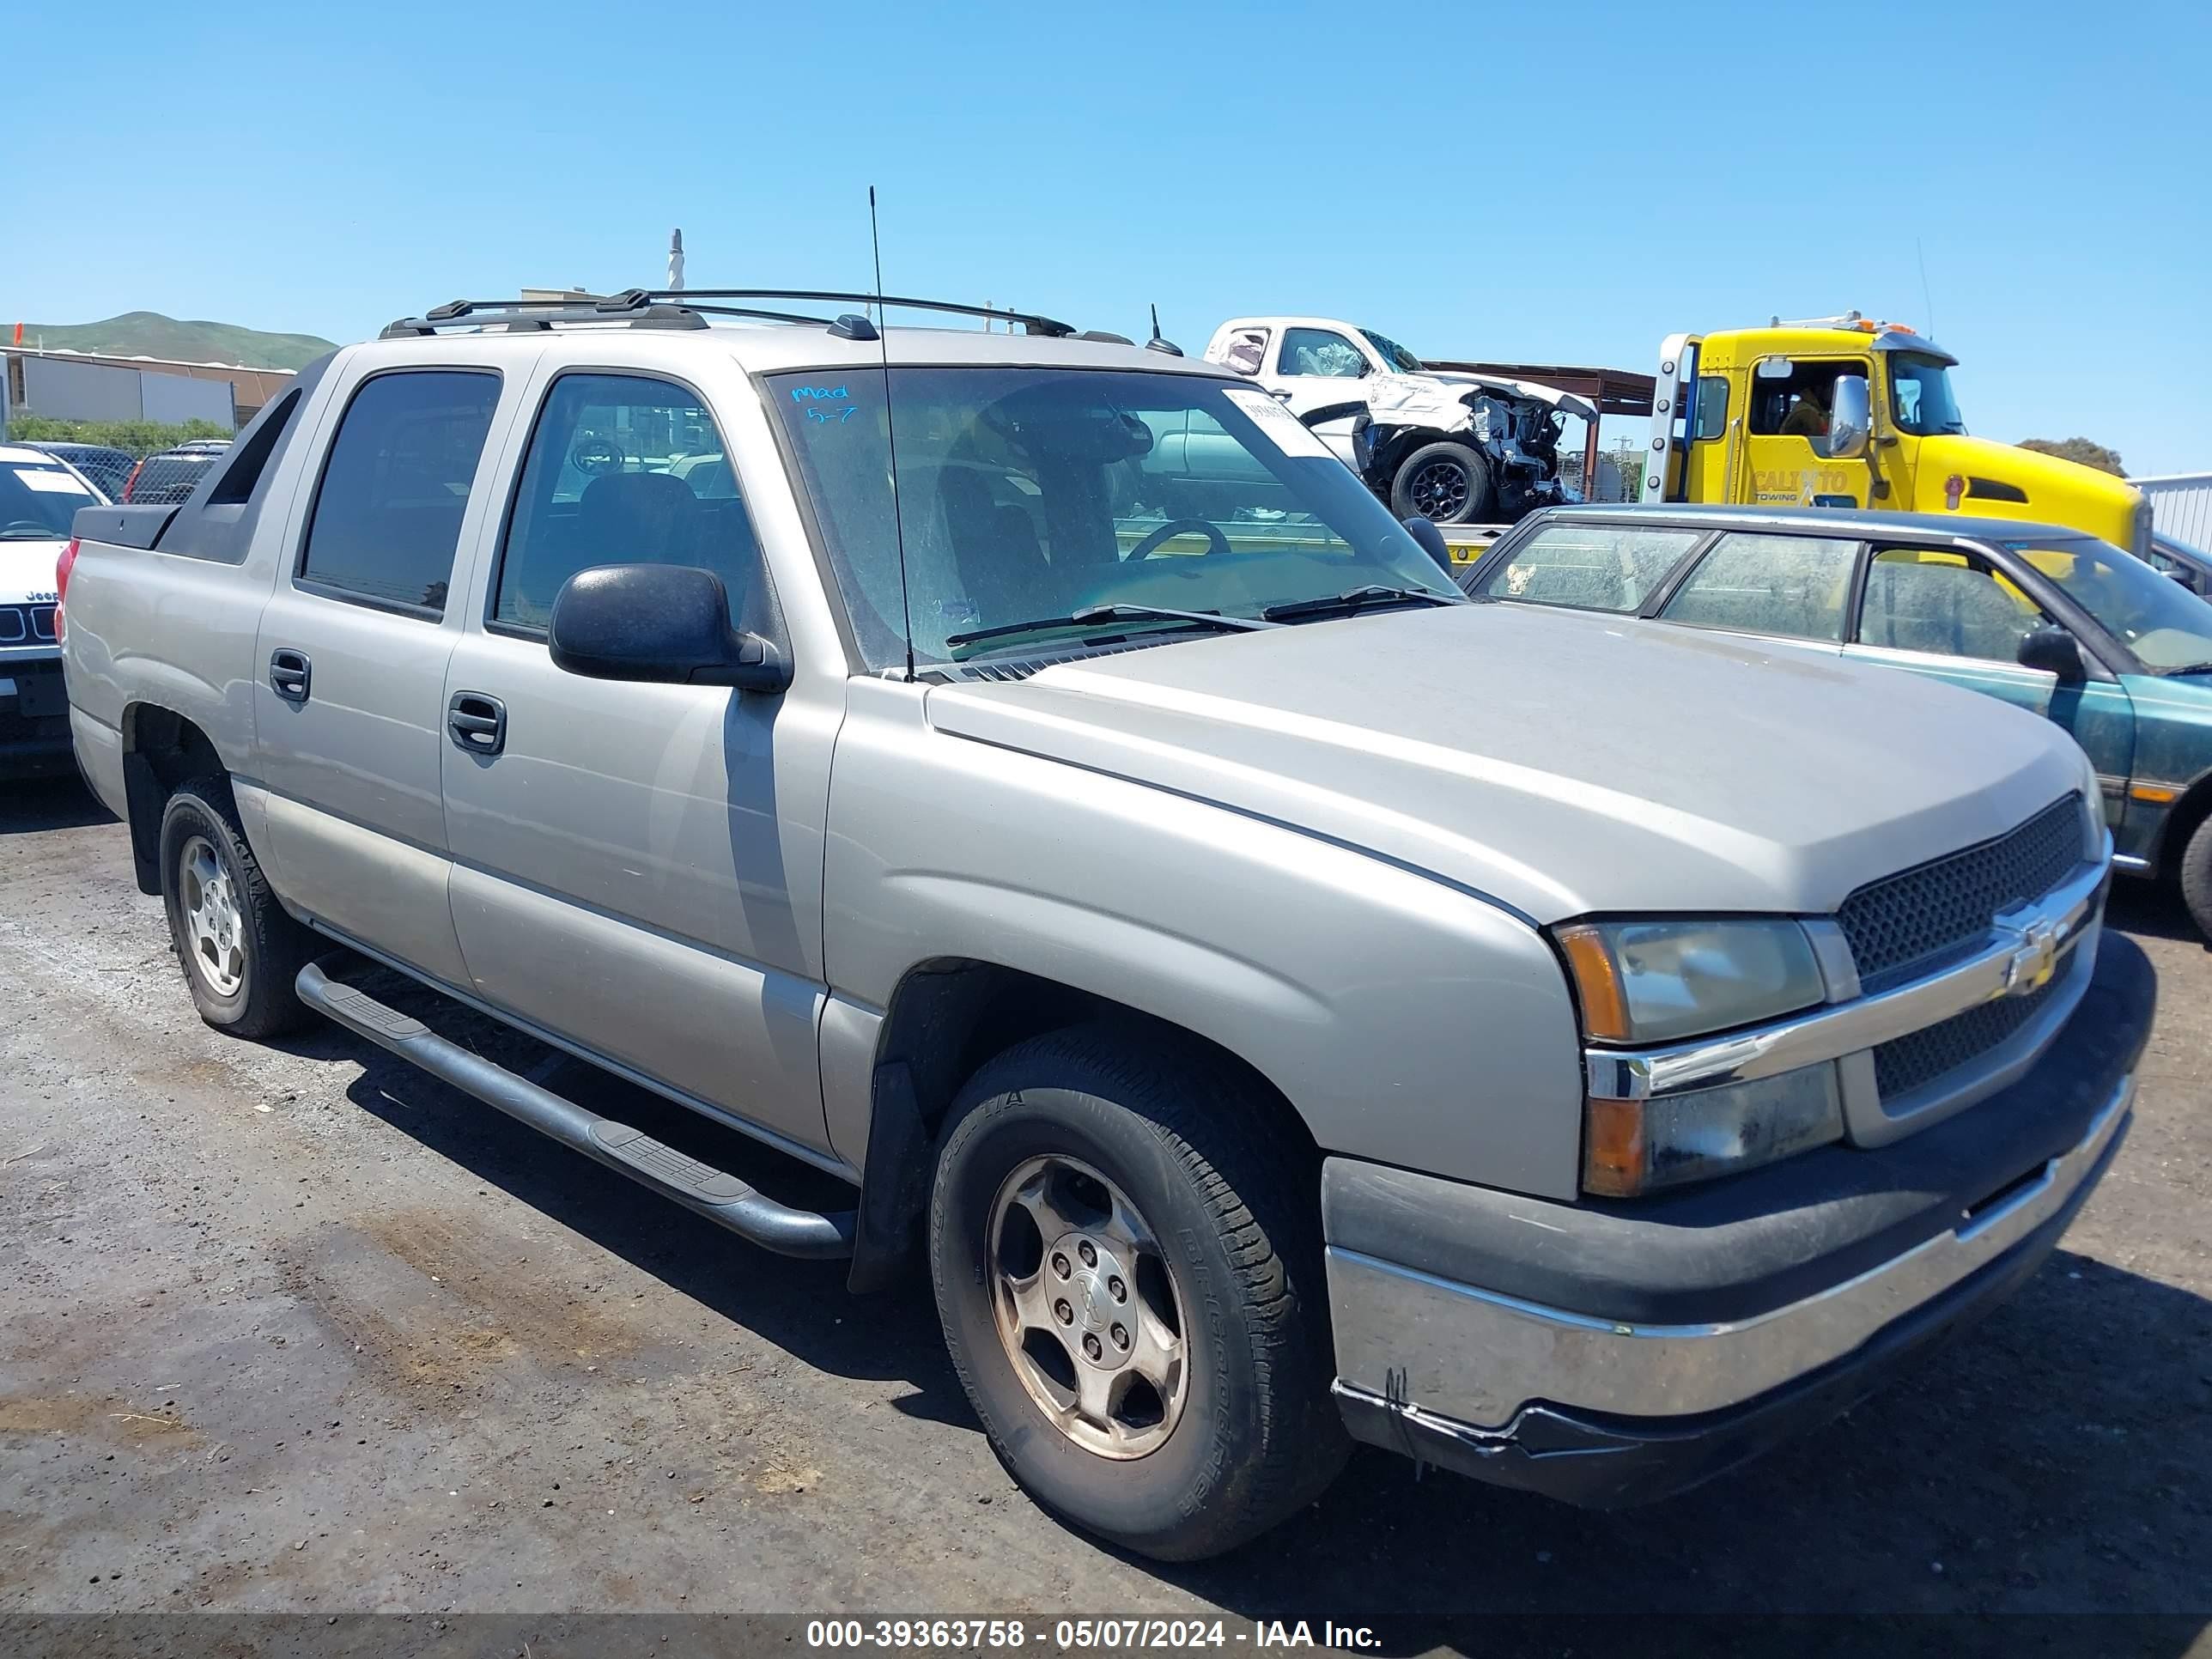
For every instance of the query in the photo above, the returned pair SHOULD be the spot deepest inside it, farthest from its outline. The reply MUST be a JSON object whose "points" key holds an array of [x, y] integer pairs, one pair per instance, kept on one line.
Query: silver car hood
{"points": [[1562, 763]]}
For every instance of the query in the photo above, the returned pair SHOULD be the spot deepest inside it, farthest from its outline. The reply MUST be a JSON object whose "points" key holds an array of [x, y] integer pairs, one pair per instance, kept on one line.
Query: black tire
{"points": [[272, 946], [2196, 877], [1233, 1204], [1446, 483]]}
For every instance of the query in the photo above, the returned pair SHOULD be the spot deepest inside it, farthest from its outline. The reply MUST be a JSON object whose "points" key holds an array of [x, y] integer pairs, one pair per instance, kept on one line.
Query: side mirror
{"points": [[662, 623], [1851, 420], [2053, 651], [1431, 540]]}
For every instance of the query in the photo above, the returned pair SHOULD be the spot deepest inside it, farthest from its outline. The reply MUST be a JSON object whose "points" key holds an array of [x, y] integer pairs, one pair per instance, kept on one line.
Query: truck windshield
{"points": [[1038, 493], [1394, 353], [2168, 627], [37, 502], [1920, 398]]}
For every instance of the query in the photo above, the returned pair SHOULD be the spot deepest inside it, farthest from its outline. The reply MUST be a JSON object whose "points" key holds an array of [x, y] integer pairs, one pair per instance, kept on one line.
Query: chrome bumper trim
{"points": [[2024, 951], [1476, 1356]]}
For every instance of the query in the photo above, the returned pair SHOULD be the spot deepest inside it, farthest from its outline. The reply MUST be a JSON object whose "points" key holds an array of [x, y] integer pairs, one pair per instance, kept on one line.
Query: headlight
{"points": [[1657, 982], [1653, 981], [1631, 1147]]}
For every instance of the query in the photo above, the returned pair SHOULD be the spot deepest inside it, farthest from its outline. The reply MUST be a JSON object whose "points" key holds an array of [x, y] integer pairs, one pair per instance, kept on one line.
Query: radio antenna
{"points": [[890, 433]]}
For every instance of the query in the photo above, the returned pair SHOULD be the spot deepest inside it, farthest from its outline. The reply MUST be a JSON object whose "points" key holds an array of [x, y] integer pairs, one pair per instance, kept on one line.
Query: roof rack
{"points": [[683, 308]]}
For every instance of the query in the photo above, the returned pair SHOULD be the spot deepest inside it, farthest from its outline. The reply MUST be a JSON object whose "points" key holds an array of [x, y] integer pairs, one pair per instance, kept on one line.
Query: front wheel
{"points": [[2196, 877], [1127, 1271], [1444, 482]]}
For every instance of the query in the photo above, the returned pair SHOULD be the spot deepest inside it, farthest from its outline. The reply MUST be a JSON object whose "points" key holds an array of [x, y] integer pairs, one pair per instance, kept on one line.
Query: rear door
{"points": [[1787, 590], [351, 668], [627, 875], [1953, 615]]}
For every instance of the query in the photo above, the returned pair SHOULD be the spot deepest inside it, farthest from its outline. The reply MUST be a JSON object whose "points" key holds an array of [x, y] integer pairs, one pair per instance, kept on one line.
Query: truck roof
{"points": [[764, 341], [1853, 522]]}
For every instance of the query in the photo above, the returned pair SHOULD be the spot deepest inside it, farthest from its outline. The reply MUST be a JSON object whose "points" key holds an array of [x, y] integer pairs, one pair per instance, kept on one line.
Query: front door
{"points": [[623, 876], [1315, 368], [1786, 435], [1954, 616], [350, 663]]}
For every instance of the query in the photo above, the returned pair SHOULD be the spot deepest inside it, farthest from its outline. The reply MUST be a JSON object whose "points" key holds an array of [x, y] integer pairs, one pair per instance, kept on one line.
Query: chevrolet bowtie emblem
{"points": [[2034, 960]]}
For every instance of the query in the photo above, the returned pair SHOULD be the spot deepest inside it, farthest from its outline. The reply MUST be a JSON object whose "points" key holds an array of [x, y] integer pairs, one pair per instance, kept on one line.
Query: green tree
{"points": [[2083, 450]]}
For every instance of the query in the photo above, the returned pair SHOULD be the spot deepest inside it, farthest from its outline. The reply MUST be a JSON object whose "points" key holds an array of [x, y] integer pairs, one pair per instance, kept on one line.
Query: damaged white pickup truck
{"points": [[1453, 448]]}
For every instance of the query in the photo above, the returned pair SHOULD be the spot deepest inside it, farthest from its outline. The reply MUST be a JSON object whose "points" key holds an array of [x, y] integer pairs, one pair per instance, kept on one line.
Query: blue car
{"points": [[2055, 620]]}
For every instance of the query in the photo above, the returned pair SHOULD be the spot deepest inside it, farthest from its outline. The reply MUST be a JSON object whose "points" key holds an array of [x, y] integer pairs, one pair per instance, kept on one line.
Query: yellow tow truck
{"points": [[1845, 411]]}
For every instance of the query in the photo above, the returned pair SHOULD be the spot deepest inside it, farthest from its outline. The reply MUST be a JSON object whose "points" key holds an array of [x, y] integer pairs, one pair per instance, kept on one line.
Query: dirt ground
{"points": [[297, 1330]]}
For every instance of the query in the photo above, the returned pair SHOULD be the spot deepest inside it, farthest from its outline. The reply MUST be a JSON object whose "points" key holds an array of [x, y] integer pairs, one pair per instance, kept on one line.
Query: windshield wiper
{"points": [[1354, 599], [1090, 615], [2188, 668]]}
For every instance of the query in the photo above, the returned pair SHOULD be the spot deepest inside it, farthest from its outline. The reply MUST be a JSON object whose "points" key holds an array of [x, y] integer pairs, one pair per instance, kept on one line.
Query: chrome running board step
{"points": [[715, 1194]]}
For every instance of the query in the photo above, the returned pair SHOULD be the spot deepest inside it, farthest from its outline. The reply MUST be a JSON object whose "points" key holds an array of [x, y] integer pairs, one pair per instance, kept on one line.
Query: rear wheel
{"points": [[240, 950], [2196, 877], [1444, 482], [1129, 1274]]}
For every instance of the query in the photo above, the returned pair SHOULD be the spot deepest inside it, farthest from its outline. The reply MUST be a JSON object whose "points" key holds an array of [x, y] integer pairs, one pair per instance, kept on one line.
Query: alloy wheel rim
{"points": [[1087, 1308], [214, 931], [1440, 489]]}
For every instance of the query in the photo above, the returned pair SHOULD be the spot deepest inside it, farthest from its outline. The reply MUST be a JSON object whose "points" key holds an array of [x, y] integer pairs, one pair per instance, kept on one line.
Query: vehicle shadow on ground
{"points": [[2155, 909], [30, 804], [778, 1297]]}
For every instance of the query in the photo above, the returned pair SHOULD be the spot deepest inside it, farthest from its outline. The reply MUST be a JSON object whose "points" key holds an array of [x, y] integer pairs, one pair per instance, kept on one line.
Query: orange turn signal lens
{"points": [[1615, 1158], [2153, 794], [1598, 978]]}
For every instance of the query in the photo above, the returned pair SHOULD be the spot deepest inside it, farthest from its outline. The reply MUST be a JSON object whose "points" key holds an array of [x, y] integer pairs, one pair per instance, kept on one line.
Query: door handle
{"points": [[477, 723], [290, 674]]}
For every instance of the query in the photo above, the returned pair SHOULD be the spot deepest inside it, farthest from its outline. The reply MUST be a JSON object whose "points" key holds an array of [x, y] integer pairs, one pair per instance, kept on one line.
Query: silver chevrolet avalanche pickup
{"points": [[1026, 776]]}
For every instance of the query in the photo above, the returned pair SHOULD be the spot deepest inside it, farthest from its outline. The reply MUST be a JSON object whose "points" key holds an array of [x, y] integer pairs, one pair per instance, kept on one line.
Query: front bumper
{"points": [[34, 718], [1611, 1353]]}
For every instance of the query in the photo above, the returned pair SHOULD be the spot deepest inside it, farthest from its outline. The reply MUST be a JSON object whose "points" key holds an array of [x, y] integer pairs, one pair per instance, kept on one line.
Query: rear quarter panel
{"points": [[176, 631]]}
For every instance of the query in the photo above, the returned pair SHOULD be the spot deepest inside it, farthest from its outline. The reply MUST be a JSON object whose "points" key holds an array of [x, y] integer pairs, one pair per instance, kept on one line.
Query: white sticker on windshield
{"points": [[50, 480], [1283, 428]]}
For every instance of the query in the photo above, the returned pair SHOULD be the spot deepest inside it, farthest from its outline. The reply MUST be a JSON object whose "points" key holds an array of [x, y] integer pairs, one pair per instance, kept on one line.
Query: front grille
{"points": [[19, 622], [1914, 1061], [1901, 922]]}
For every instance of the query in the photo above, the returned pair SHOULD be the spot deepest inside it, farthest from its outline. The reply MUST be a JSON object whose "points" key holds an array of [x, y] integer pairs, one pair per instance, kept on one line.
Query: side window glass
{"points": [[1792, 399], [1944, 602], [1593, 566], [1247, 349], [1794, 586], [1320, 351], [1712, 408], [625, 470], [387, 515]]}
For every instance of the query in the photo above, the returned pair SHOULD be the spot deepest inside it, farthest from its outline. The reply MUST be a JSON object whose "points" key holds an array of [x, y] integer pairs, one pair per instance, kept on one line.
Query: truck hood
{"points": [[27, 568], [2057, 491], [1440, 399], [1543, 394], [1561, 764]]}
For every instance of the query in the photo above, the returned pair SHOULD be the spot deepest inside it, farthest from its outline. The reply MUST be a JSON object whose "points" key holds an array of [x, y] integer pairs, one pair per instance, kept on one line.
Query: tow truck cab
{"points": [[1845, 411]]}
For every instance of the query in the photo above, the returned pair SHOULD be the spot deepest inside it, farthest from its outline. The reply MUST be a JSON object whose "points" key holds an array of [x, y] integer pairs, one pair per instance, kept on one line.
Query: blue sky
{"points": [[1475, 181]]}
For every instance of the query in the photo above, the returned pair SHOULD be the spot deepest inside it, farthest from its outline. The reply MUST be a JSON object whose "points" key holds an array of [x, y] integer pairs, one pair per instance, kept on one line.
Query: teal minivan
{"points": [[2058, 622]]}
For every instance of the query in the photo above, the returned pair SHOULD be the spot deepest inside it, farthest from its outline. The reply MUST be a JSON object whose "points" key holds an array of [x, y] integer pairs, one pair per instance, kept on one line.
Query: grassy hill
{"points": [[149, 334]]}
